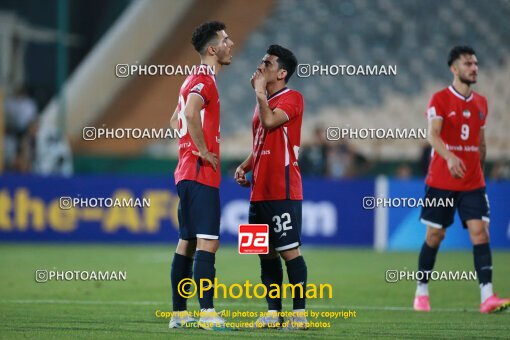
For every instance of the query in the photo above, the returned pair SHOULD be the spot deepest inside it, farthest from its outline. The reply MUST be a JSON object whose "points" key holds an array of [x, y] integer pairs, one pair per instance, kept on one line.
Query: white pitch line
{"points": [[229, 303]]}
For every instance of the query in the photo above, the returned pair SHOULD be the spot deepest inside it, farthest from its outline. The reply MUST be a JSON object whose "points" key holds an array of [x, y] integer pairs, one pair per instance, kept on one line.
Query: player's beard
{"points": [[224, 58], [466, 81], [225, 61]]}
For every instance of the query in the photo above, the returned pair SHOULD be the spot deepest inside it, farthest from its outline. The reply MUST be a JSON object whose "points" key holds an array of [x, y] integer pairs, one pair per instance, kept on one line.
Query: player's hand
{"points": [[258, 81], [240, 177], [209, 157], [456, 166]]}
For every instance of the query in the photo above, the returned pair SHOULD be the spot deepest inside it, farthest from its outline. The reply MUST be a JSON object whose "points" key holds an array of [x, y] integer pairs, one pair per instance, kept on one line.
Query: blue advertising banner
{"points": [[406, 232], [38, 209]]}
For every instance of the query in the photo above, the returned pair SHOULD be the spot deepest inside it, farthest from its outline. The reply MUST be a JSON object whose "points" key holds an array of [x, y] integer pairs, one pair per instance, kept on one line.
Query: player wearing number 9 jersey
{"points": [[462, 121], [457, 117], [276, 192], [197, 175]]}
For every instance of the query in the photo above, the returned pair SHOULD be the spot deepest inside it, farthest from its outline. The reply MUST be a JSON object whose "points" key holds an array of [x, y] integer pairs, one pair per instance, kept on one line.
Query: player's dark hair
{"points": [[204, 34], [457, 51], [286, 59]]}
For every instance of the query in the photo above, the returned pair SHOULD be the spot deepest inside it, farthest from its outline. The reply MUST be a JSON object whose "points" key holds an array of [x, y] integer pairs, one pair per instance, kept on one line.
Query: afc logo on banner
{"points": [[253, 239]]}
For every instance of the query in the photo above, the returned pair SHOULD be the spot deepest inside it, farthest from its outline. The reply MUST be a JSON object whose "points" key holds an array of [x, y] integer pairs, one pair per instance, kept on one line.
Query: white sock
{"points": [[486, 291], [422, 289]]}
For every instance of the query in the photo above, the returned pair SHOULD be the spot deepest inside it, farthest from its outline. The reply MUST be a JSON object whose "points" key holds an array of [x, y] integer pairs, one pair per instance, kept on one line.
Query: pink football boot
{"points": [[494, 304]]}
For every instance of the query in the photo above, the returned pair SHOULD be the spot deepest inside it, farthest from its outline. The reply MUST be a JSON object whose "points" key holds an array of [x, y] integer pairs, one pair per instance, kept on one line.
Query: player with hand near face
{"points": [[276, 188]]}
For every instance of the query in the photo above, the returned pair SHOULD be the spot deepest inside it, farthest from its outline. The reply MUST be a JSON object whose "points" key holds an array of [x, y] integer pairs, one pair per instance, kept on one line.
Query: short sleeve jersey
{"points": [[191, 167], [463, 118], [276, 174]]}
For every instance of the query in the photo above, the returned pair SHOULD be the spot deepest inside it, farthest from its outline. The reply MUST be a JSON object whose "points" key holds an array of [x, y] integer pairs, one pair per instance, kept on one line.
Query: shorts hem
{"points": [[287, 247], [456, 190], [208, 237], [432, 224], [191, 238]]}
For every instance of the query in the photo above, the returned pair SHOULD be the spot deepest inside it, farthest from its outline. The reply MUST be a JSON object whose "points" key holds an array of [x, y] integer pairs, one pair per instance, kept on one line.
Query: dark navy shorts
{"points": [[284, 220], [471, 205], [199, 211]]}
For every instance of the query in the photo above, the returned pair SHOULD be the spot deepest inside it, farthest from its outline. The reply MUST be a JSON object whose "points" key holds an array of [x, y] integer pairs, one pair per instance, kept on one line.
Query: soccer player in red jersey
{"points": [[197, 175], [276, 190], [457, 116]]}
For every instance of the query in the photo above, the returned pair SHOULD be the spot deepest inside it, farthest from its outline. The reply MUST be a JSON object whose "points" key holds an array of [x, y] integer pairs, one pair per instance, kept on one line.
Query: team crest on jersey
{"points": [[481, 115], [466, 113], [197, 88]]}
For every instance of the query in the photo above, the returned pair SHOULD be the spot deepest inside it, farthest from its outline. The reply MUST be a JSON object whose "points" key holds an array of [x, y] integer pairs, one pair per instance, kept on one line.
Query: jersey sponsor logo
{"points": [[466, 148], [253, 239], [451, 114], [265, 152], [466, 113]]}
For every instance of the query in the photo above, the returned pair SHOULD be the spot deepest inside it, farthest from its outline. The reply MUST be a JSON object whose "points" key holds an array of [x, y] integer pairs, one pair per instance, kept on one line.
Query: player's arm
{"points": [[192, 115], [174, 120], [240, 175], [482, 148], [455, 164], [269, 119]]}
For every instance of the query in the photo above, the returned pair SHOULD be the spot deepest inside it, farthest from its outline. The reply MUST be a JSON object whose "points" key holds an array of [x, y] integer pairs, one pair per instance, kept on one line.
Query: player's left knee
{"points": [[186, 247], [290, 254], [210, 246], [480, 236]]}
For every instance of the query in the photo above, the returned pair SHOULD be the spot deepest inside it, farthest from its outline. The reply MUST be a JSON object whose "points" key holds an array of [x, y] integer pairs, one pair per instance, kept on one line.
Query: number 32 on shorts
{"points": [[282, 222]]}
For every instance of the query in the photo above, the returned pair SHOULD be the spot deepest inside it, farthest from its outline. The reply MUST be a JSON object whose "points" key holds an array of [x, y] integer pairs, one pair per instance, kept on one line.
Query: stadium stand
{"points": [[357, 32], [156, 96], [376, 32]]}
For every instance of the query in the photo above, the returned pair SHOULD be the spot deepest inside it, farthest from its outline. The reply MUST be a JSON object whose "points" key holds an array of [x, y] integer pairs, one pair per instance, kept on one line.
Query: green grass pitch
{"points": [[126, 309]]}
